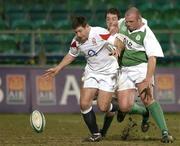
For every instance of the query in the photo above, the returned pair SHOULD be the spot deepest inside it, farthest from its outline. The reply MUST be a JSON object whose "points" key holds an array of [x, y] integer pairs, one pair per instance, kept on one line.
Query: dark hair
{"points": [[114, 11], [78, 21]]}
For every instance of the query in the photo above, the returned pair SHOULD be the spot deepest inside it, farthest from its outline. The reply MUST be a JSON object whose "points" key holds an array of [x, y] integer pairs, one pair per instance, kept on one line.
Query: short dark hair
{"points": [[78, 21], [114, 11]]}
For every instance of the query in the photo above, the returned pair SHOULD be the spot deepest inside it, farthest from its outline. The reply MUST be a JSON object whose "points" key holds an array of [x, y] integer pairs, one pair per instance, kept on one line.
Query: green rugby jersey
{"points": [[138, 45]]}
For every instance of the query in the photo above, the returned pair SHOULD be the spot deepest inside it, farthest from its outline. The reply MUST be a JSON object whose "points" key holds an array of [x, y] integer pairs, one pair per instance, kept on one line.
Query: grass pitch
{"points": [[69, 130]]}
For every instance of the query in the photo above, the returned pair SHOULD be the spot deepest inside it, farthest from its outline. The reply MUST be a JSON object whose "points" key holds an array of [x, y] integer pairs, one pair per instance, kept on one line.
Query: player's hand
{"points": [[50, 73], [115, 52], [147, 82], [146, 93]]}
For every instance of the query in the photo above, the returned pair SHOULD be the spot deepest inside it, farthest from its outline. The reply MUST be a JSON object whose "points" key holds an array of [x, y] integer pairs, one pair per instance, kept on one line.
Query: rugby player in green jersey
{"points": [[138, 66]]}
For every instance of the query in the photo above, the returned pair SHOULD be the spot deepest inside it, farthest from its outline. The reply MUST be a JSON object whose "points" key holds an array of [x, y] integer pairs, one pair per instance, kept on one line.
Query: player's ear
{"points": [[139, 19]]}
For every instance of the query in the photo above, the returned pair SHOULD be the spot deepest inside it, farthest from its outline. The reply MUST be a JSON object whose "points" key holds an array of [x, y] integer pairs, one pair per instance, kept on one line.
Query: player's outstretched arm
{"points": [[51, 72]]}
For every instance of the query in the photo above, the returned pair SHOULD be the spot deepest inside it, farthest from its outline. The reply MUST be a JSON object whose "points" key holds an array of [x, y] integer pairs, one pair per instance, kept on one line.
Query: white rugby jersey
{"points": [[95, 51]]}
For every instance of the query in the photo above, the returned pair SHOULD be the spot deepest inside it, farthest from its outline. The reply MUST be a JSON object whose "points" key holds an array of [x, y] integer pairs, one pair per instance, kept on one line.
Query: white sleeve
{"points": [[112, 38], [152, 45], [120, 37], [74, 50]]}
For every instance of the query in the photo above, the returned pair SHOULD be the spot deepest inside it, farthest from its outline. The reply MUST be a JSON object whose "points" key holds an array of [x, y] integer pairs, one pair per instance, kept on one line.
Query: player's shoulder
{"points": [[74, 42], [148, 29], [149, 33]]}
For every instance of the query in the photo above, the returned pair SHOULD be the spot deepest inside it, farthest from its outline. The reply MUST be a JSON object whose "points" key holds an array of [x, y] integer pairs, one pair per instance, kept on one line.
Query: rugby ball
{"points": [[37, 121]]}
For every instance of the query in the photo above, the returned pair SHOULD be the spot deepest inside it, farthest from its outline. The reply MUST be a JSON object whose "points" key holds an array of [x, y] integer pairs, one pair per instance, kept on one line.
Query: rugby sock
{"points": [[90, 120], [137, 109], [106, 124], [157, 114]]}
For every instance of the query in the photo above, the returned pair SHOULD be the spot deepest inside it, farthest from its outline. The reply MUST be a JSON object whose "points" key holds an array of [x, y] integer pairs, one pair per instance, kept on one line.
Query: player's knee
{"points": [[147, 101], [84, 105], [103, 108], [125, 108]]}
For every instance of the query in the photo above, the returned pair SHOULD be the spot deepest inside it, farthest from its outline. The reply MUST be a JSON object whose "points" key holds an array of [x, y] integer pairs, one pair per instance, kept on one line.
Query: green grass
{"points": [[69, 129]]}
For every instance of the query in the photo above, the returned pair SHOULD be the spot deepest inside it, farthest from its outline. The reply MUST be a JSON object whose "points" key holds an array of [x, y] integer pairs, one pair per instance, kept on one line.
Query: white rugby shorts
{"points": [[130, 76], [105, 82]]}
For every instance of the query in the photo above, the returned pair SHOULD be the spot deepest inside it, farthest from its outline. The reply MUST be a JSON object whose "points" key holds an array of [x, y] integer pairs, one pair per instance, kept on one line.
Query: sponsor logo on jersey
{"points": [[92, 53], [128, 43]]}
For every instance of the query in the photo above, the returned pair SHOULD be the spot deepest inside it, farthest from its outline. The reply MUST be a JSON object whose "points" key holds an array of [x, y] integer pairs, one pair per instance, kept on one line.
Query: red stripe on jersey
{"points": [[105, 36], [73, 44]]}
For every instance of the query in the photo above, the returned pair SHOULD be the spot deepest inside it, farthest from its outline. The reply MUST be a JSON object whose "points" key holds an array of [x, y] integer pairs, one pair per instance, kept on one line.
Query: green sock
{"points": [[137, 109], [157, 114]]}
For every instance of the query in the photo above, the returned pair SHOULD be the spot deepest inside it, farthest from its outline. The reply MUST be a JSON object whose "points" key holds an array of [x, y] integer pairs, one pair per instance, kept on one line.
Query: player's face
{"points": [[111, 20], [82, 33], [132, 22]]}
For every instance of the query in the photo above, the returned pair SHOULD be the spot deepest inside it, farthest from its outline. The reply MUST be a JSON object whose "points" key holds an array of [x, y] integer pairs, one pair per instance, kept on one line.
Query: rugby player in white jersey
{"points": [[112, 17], [100, 74], [138, 67]]}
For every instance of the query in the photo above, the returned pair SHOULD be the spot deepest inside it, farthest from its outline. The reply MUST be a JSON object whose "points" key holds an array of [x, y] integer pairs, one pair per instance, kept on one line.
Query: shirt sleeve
{"points": [[152, 45], [112, 38], [74, 50]]}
